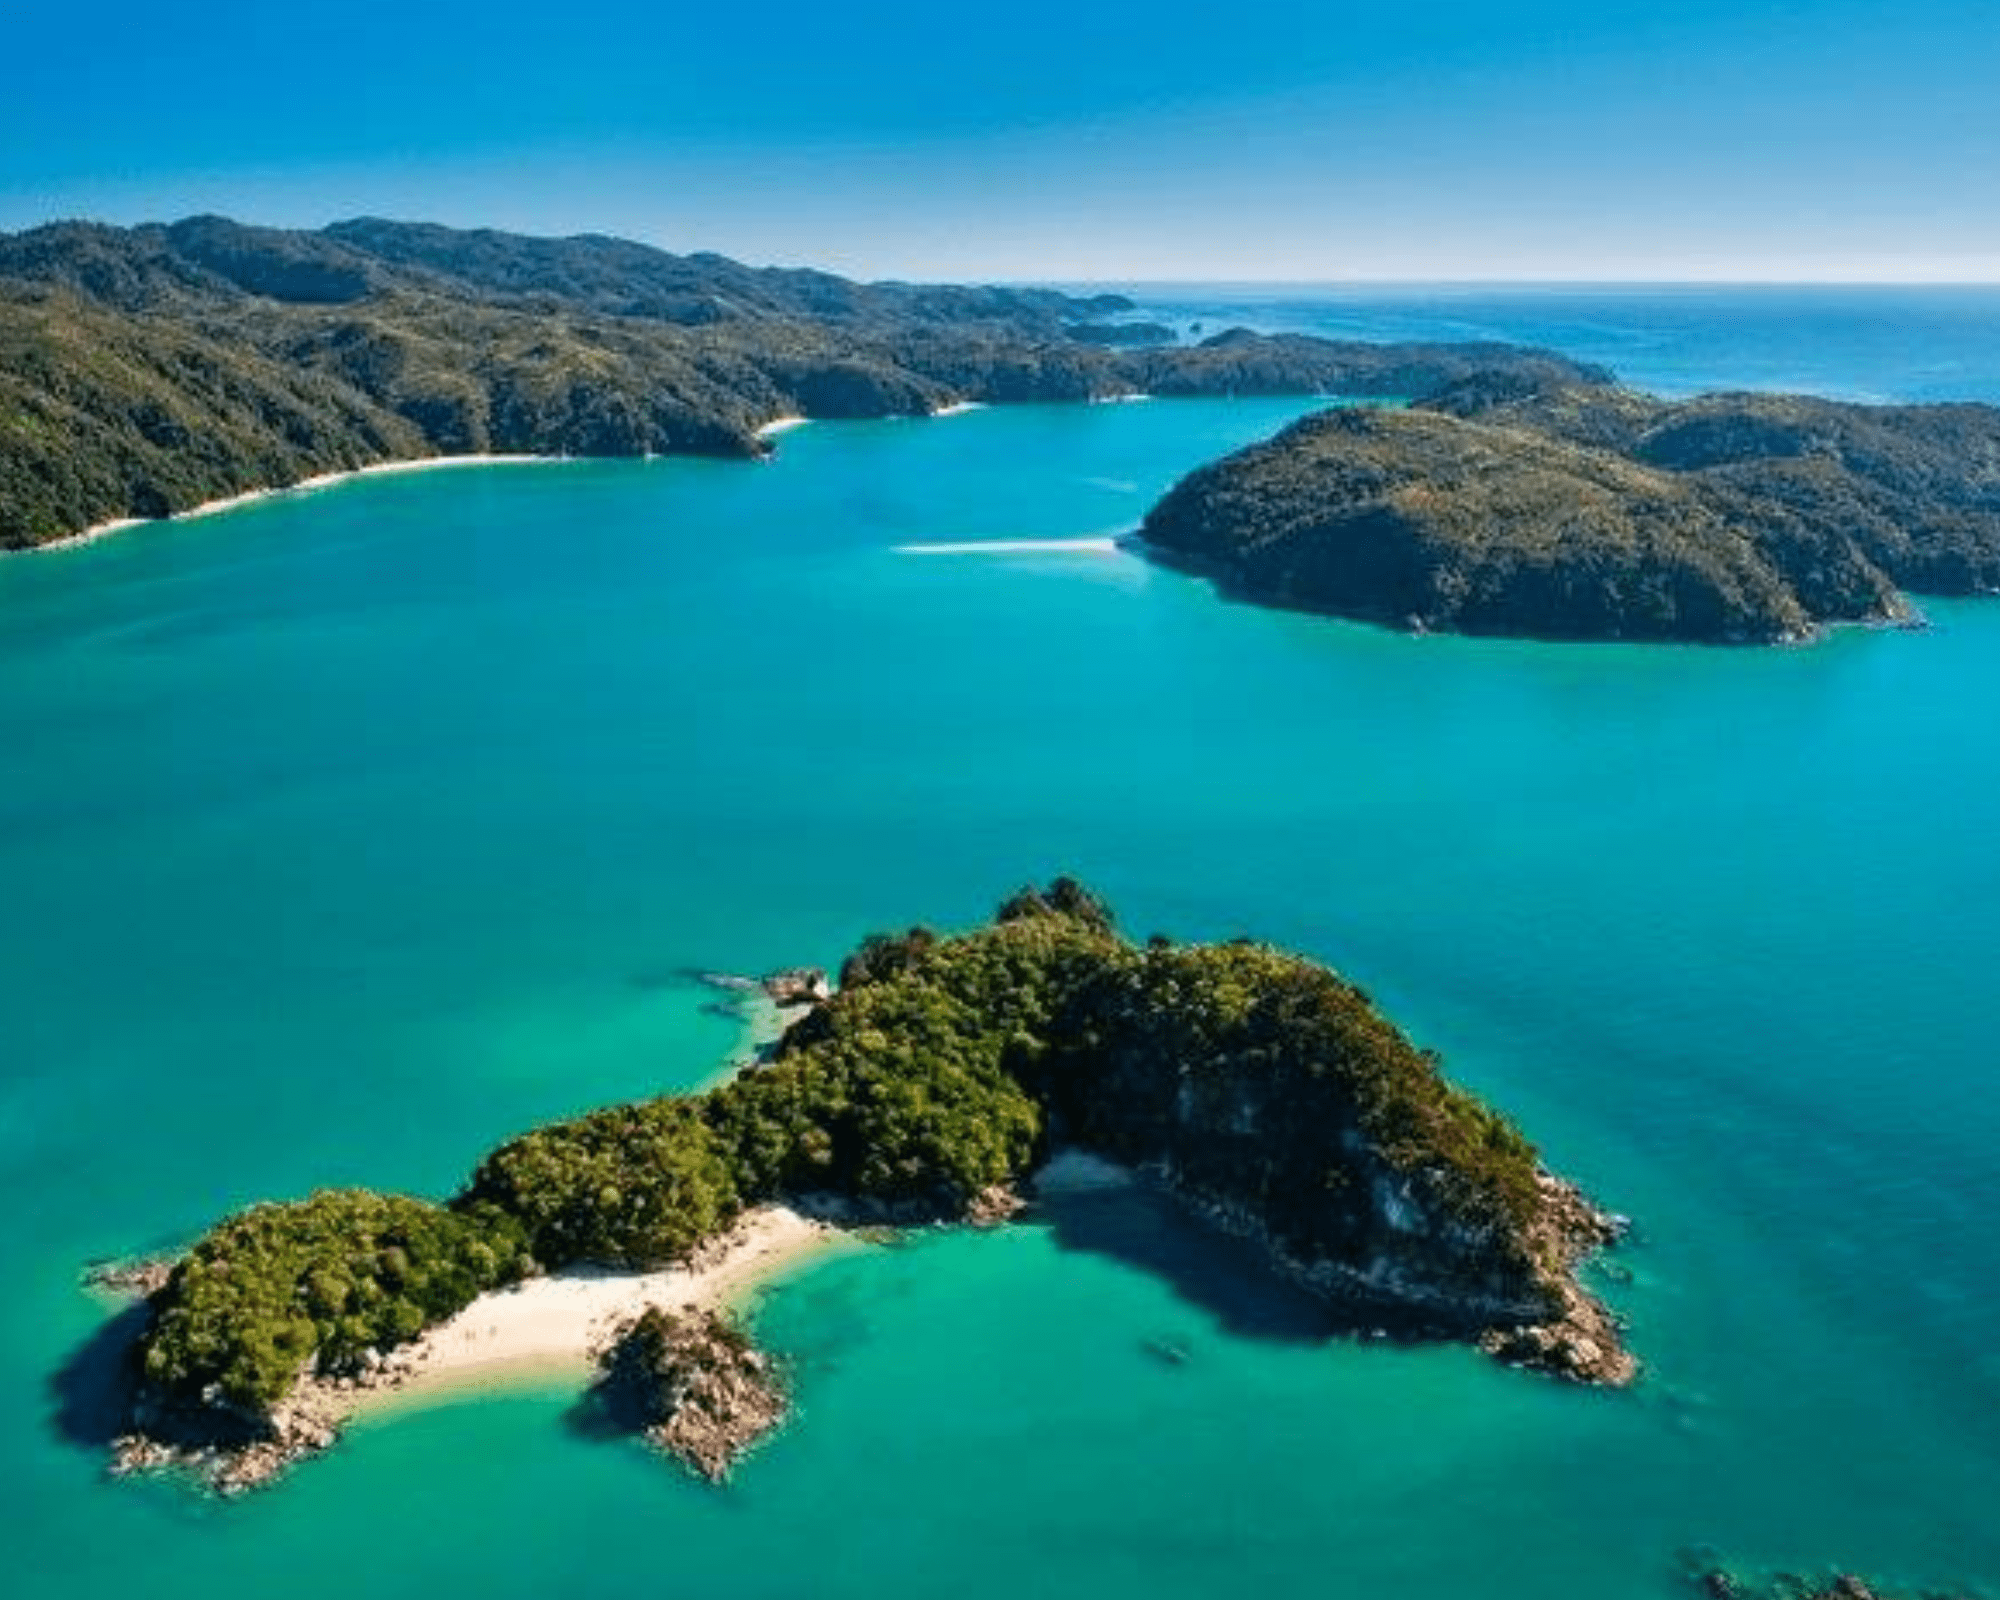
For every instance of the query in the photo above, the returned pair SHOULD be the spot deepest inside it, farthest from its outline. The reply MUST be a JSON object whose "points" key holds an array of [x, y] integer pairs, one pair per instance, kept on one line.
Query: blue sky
{"points": [[1544, 139]]}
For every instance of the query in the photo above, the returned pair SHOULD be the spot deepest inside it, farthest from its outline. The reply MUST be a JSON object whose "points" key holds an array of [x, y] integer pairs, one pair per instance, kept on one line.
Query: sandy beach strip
{"points": [[778, 425], [548, 1328], [958, 408], [1096, 545], [323, 480]]}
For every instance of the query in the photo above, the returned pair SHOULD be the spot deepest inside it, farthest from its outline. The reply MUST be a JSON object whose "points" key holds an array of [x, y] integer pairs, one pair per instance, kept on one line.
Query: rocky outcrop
{"points": [[693, 1385], [796, 986], [1579, 1337], [1542, 1320], [135, 1280], [1508, 506], [231, 1448]]}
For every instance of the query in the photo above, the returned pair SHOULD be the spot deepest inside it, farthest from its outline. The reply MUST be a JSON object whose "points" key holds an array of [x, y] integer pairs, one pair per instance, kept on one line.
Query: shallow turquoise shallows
{"points": [[344, 835]]}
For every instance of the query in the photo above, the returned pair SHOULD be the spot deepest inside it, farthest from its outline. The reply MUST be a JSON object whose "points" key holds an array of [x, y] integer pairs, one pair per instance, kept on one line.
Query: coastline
{"points": [[323, 480], [541, 1331], [551, 1328]]}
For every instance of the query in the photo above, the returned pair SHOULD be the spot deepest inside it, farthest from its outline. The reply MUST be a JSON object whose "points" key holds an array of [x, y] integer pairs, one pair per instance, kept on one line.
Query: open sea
{"points": [[346, 834]]}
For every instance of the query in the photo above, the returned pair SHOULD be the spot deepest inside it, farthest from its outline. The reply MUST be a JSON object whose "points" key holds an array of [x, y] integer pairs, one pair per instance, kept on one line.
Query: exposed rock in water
{"points": [[769, 1006], [1001, 1202], [693, 1384], [1711, 1578], [796, 986], [138, 1280]]}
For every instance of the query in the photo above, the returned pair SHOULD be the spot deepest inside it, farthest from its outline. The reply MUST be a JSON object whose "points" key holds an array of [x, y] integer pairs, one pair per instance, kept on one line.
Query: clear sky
{"points": [[1054, 139]]}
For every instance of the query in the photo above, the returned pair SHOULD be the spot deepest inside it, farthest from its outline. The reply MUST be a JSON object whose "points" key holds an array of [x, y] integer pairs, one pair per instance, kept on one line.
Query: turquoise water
{"points": [[346, 834]]}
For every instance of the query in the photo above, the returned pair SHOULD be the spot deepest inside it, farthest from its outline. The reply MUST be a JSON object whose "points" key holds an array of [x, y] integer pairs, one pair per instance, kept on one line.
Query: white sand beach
{"points": [[548, 1327], [958, 408], [778, 425], [324, 480]]}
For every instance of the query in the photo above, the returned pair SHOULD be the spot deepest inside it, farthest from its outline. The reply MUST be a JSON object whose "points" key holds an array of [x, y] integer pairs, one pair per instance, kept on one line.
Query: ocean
{"points": [[346, 834]]}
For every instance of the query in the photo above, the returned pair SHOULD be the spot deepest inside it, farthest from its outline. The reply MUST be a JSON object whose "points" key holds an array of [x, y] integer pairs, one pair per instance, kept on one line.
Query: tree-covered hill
{"points": [[1505, 505], [146, 370], [1258, 1086]]}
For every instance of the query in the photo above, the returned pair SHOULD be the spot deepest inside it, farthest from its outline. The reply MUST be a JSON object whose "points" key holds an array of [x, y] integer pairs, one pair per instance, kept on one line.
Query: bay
{"points": [[348, 833]]}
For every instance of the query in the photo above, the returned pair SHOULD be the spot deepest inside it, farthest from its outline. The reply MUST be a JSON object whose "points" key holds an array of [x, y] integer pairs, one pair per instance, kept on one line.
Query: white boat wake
{"points": [[1100, 545]]}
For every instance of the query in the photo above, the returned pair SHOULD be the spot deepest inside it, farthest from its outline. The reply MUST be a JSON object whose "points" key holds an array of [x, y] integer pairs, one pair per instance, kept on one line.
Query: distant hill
{"points": [[1507, 505], [146, 370]]}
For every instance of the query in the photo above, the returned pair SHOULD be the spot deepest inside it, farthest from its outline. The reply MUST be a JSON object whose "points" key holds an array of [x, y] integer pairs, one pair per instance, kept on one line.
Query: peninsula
{"points": [[1504, 505], [148, 371], [1257, 1087]]}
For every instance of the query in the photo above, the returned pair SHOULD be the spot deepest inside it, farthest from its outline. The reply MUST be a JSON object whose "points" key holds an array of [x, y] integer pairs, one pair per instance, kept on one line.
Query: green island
{"points": [[1256, 1087], [148, 371], [1507, 506]]}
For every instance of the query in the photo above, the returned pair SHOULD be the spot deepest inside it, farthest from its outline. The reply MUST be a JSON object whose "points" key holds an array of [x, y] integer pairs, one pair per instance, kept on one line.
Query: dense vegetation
{"points": [[1258, 1084], [330, 1277], [1503, 505], [145, 370]]}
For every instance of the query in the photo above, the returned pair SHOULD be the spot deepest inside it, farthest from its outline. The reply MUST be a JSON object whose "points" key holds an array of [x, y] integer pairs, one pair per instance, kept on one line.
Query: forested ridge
{"points": [[144, 371], [1507, 505]]}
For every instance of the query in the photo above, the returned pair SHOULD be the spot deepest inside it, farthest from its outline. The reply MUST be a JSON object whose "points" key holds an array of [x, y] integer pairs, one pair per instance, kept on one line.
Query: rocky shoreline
{"points": [[766, 1006], [1571, 1334], [1584, 1340]]}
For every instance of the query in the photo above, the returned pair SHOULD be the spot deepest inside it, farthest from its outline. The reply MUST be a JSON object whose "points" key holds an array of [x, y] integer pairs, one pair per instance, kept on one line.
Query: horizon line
{"points": [[1013, 279]]}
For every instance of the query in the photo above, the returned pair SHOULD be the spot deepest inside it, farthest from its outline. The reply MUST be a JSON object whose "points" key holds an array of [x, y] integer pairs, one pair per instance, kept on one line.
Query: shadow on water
{"points": [[605, 1412], [91, 1393], [1224, 1277]]}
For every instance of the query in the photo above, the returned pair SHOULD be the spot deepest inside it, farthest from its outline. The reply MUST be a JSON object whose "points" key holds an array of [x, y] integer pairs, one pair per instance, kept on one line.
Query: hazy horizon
{"points": [[1108, 281], [1543, 141]]}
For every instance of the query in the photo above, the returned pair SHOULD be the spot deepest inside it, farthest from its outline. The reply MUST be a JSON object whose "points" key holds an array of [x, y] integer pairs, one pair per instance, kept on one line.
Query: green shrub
{"points": [[325, 1278]]}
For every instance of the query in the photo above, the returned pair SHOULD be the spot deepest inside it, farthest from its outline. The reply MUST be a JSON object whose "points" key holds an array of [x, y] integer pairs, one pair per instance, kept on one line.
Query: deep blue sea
{"points": [[346, 834]]}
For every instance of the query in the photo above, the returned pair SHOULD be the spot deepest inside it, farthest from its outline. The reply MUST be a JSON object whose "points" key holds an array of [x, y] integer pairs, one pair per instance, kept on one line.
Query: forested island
{"points": [[146, 371], [1259, 1089], [1505, 505]]}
